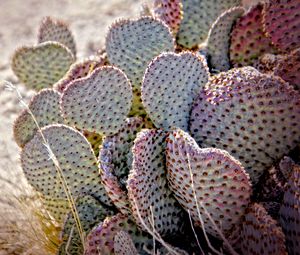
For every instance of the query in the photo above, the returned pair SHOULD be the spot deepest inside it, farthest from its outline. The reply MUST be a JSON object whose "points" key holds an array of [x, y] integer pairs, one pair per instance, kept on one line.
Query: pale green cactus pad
{"points": [[101, 239], [248, 40], [170, 85], [58, 208], [279, 12], [198, 16], [45, 108], [254, 116], [169, 12], [123, 244], [261, 234], [148, 191], [98, 103], [116, 160], [58, 31], [220, 185], [90, 212], [43, 65], [132, 44], [76, 161], [290, 212], [288, 68], [218, 40], [79, 70]]}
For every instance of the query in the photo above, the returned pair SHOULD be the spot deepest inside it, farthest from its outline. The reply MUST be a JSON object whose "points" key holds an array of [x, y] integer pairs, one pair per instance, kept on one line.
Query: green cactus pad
{"points": [[123, 244], [56, 30], [218, 40], [260, 234], [45, 108], [147, 185], [198, 16], [254, 116], [58, 208], [90, 212], [101, 239], [220, 182], [170, 12], [79, 70], [41, 66], [281, 22], [76, 160], [248, 41], [116, 160], [98, 103], [132, 44], [288, 68], [290, 212], [171, 83]]}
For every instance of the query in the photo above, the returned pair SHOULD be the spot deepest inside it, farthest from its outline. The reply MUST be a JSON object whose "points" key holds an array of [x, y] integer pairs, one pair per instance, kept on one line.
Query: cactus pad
{"points": [[41, 66], [123, 244], [56, 30], [255, 117], [147, 185], [79, 70], [170, 12], [98, 103], [288, 68], [260, 234], [218, 40], [171, 83], [198, 15], [76, 160], [94, 139], [248, 41], [116, 160], [90, 212], [132, 44], [45, 108], [221, 184], [290, 212], [101, 239], [282, 23]]}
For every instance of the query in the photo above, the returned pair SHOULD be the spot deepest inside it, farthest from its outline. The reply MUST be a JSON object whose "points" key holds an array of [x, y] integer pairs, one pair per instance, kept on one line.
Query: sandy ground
{"points": [[19, 20]]}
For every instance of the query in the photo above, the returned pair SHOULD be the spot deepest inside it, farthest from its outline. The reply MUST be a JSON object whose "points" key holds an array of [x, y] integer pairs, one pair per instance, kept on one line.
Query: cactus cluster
{"points": [[182, 138]]}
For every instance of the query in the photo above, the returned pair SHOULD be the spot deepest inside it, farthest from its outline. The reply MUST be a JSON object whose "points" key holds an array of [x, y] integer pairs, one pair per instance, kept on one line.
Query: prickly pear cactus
{"points": [[123, 244], [41, 66]]}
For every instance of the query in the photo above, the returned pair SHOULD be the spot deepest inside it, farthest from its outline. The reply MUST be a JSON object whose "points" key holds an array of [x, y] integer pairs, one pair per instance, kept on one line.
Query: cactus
{"points": [[115, 162], [170, 12], [207, 178], [147, 185], [170, 85], [98, 103], [253, 116], [218, 39], [132, 44], [248, 40], [290, 212], [123, 244], [198, 15], [75, 158], [79, 70], [45, 108], [41, 66], [57, 31], [260, 233], [275, 14], [101, 238]]}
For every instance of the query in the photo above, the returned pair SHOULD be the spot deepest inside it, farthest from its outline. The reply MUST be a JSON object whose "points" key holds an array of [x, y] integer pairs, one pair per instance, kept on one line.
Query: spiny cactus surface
{"points": [[98, 103], [209, 179], [45, 108], [123, 244], [41, 66], [58, 31], [171, 83]]}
